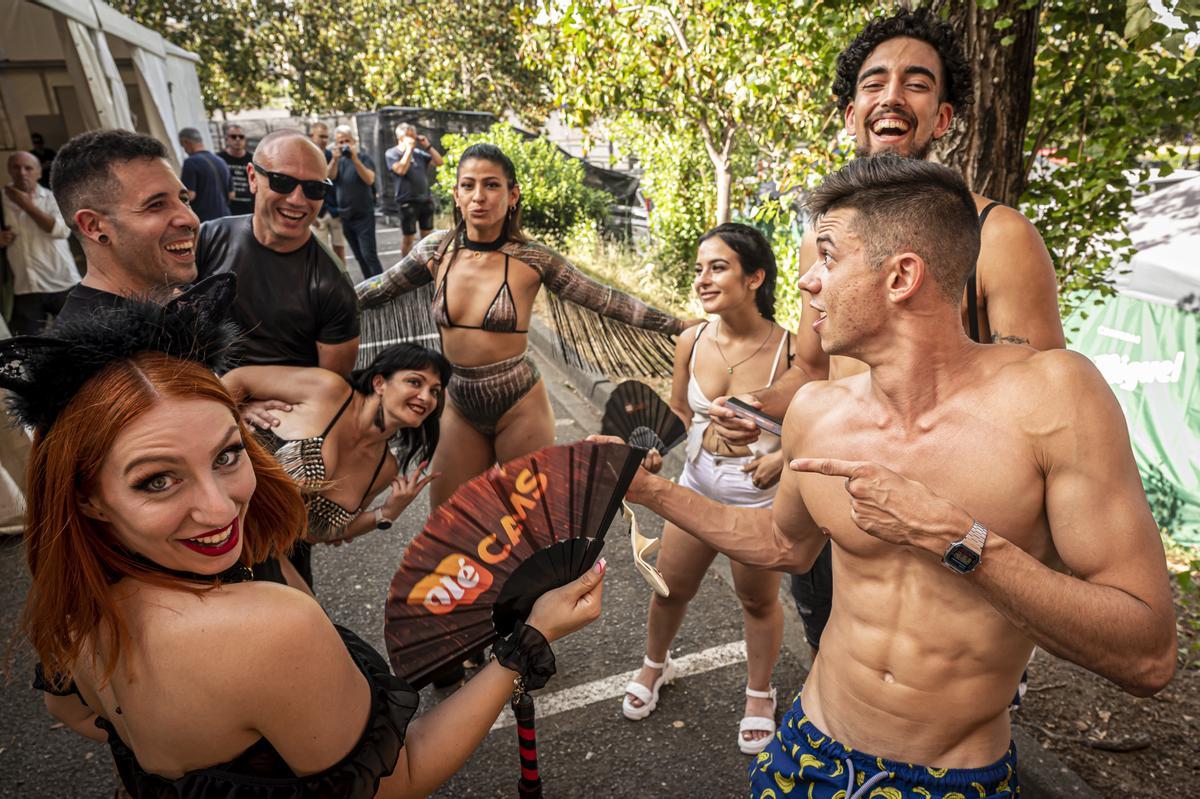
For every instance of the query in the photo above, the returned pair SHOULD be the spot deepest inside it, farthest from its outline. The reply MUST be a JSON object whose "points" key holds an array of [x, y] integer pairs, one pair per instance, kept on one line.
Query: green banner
{"points": [[1148, 354]]}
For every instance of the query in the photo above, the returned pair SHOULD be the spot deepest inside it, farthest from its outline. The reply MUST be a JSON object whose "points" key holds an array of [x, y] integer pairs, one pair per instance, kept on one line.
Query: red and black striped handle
{"points": [[530, 786]]}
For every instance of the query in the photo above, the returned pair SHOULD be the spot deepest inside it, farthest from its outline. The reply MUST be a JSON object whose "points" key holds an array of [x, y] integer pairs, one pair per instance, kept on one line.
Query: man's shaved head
{"points": [[288, 145], [22, 157], [24, 169]]}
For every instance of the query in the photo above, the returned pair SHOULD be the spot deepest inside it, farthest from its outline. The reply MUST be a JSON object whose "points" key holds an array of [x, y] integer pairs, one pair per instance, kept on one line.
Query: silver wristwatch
{"points": [[381, 521], [964, 555]]}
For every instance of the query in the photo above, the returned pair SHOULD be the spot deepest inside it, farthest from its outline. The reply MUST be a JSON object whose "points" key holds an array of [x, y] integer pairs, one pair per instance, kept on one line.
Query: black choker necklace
{"points": [[237, 573], [483, 246]]}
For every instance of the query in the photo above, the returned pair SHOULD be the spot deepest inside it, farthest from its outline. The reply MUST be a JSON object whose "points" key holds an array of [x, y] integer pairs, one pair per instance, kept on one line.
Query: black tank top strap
{"points": [[338, 415], [987, 209], [973, 283], [378, 469]]}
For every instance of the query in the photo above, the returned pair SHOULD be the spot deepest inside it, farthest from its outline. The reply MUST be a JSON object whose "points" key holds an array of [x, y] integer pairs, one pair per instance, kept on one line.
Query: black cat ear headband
{"points": [[43, 373]]}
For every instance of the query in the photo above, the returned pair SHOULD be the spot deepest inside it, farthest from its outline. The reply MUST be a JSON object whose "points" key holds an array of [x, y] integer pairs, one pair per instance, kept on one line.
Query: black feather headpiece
{"points": [[45, 372]]}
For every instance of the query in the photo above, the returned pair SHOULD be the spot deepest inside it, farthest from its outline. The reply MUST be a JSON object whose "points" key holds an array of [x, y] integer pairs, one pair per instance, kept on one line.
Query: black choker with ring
{"points": [[483, 246], [237, 573]]}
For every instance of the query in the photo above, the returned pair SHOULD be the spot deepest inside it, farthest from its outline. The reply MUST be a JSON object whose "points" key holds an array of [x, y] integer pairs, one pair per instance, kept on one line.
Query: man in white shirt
{"points": [[35, 237]]}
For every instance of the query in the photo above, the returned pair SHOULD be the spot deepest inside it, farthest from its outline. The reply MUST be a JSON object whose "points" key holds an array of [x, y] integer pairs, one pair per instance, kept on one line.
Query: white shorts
{"points": [[722, 479], [329, 230]]}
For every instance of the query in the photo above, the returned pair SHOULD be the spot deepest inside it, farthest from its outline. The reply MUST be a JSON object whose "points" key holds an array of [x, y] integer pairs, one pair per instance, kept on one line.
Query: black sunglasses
{"points": [[235, 136], [286, 184]]}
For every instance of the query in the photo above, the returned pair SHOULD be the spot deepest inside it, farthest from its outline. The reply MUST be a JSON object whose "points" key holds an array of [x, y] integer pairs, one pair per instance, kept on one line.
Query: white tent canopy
{"points": [[1165, 231], [75, 65]]}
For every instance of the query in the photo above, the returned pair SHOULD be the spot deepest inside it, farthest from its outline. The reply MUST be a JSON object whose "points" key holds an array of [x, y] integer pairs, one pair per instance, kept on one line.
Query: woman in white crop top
{"points": [[743, 350]]}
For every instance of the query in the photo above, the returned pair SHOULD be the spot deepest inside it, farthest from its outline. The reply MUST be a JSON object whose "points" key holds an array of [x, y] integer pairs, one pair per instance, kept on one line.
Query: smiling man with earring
{"points": [[120, 196]]}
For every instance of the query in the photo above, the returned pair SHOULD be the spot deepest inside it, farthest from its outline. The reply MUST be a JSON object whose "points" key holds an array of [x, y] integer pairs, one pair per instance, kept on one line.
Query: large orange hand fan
{"points": [[500, 542]]}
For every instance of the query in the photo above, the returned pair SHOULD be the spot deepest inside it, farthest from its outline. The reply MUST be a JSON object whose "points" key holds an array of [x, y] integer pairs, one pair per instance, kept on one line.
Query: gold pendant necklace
{"points": [[730, 368]]}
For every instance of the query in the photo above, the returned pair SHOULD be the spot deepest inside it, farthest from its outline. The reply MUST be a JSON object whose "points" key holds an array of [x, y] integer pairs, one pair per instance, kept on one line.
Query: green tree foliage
{"points": [[727, 74], [555, 201], [235, 68], [353, 55], [1100, 102]]}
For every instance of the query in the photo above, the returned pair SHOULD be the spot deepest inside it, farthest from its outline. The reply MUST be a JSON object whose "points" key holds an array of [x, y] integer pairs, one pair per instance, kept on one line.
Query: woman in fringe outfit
{"points": [[486, 275]]}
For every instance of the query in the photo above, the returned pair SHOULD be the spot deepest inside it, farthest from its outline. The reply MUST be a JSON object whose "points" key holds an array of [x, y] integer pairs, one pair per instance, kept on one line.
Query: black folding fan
{"points": [[636, 414], [501, 541]]}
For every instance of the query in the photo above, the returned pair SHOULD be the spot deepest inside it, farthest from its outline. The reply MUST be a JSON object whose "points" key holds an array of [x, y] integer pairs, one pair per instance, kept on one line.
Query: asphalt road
{"points": [[587, 749]]}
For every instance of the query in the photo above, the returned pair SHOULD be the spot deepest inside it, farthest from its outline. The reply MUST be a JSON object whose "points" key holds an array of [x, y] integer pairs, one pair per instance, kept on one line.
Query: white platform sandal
{"points": [[757, 724], [647, 696]]}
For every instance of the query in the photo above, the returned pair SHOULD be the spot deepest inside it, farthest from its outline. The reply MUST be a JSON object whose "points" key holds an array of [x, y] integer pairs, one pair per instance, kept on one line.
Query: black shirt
{"points": [[414, 184], [355, 198], [243, 200], [286, 301], [83, 300], [207, 176]]}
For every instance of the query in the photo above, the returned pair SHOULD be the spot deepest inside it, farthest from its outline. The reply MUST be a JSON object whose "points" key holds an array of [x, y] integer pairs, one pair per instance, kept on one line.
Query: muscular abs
{"points": [[915, 665]]}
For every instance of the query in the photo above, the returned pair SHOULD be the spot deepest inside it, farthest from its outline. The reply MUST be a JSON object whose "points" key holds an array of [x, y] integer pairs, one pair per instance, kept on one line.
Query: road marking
{"points": [[717, 657]]}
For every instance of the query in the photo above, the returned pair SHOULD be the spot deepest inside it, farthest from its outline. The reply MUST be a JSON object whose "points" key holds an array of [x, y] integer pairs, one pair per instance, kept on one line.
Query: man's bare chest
{"points": [[973, 457]]}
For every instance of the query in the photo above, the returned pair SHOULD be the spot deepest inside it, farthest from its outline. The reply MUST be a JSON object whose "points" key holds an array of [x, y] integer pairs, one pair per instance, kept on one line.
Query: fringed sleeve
{"points": [[600, 328], [394, 307]]}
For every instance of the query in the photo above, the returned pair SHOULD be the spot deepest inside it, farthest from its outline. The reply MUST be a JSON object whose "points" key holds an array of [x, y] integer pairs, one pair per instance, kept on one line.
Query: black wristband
{"points": [[527, 652]]}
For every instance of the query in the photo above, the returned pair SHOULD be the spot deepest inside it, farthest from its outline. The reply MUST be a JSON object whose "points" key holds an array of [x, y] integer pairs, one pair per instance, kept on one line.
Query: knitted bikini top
{"points": [[304, 463]]}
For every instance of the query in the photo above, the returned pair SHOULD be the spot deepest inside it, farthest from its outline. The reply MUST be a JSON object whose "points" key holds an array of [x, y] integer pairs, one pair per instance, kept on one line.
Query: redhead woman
{"points": [[148, 497], [334, 440], [743, 349]]}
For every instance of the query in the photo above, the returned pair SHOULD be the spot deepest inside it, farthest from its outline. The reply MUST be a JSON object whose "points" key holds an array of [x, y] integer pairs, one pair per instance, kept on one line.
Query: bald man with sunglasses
{"points": [[294, 302], [295, 305]]}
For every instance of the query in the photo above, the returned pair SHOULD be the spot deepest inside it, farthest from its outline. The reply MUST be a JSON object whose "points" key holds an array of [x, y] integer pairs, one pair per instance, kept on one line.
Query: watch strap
{"points": [[976, 537]]}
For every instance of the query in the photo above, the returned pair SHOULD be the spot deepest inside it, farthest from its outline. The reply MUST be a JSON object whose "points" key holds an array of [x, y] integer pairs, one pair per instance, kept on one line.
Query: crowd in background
{"points": [[38, 268]]}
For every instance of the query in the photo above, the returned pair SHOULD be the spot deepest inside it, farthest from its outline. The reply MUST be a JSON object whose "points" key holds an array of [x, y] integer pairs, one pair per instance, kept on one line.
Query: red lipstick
{"points": [[213, 550]]}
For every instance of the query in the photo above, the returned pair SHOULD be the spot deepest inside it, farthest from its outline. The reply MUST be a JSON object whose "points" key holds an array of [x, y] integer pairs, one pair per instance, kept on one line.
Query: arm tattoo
{"points": [[997, 338]]}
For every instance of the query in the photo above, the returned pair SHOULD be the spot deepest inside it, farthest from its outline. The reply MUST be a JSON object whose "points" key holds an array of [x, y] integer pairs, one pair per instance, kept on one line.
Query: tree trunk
{"points": [[724, 189], [988, 143]]}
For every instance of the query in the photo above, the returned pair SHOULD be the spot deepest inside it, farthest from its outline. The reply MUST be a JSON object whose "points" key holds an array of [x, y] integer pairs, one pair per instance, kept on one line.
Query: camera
{"points": [[345, 151]]}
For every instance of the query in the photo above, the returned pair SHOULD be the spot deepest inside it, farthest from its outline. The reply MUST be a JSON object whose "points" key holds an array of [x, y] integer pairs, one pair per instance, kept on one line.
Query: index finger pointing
{"points": [[830, 466]]}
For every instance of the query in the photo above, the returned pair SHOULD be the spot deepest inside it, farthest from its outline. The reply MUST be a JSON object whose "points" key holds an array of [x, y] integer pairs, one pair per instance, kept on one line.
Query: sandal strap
{"points": [[756, 724], [650, 664], [640, 691], [753, 694]]}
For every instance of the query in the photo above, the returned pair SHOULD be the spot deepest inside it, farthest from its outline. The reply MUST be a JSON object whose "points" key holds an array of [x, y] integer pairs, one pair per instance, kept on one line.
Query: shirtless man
{"points": [[899, 84], [1008, 465]]}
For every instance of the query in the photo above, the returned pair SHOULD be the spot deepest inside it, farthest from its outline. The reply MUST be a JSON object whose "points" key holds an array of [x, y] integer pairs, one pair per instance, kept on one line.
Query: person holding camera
{"points": [[353, 174], [410, 160]]}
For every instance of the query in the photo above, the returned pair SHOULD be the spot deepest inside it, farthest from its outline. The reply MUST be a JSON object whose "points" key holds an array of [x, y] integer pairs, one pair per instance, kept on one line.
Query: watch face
{"points": [[383, 524], [961, 558]]}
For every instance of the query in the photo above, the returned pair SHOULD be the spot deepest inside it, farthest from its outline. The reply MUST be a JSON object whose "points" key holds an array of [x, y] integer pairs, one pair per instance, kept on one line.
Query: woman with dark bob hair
{"points": [[335, 441], [148, 498], [743, 350]]}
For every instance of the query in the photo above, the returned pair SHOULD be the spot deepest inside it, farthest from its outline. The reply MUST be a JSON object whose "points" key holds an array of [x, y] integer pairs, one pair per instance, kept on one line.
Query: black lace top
{"points": [[260, 772]]}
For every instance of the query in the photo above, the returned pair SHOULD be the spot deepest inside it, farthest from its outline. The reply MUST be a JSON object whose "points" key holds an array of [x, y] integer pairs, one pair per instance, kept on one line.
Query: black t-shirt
{"points": [[243, 200], [354, 197], [414, 184], [207, 176], [286, 301], [83, 300]]}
